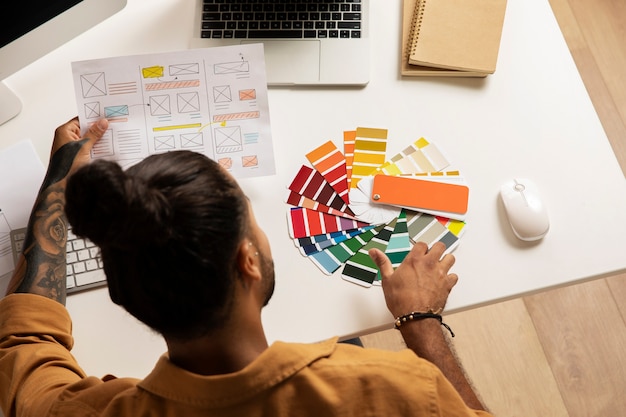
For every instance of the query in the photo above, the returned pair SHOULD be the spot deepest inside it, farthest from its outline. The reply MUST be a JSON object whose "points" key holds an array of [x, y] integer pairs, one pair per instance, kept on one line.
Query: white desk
{"points": [[531, 118]]}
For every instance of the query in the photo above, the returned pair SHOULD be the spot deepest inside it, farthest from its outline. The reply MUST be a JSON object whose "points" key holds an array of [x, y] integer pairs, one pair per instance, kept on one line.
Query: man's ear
{"points": [[248, 262]]}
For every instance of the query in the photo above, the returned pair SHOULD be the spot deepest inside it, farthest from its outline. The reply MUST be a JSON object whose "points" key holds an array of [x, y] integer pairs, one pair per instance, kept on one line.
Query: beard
{"points": [[267, 272]]}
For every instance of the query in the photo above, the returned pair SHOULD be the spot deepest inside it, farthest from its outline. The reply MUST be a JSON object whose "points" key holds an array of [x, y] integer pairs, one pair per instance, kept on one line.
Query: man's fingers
{"points": [[448, 261], [437, 250], [96, 131], [382, 262], [452, 280]]}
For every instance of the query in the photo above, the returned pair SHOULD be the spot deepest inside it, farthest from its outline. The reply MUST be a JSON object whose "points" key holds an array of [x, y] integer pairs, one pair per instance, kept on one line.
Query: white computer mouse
{"points": [[525, 209]]}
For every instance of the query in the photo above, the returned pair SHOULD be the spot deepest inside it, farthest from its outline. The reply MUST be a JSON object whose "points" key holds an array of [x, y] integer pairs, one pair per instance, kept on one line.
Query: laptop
{"points": [[306, 42]]}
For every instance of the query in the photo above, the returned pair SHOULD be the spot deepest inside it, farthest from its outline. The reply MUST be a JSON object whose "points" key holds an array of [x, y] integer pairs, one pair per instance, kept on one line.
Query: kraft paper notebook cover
{"points": [[457, 34], [420, 70]]}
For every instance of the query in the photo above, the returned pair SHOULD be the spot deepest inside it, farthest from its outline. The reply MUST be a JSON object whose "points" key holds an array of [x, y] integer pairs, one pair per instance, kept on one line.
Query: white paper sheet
{"points": [[213, 101], [21, 174]]}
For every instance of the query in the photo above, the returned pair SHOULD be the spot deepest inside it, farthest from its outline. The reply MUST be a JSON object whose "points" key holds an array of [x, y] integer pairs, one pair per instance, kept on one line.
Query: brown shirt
{"points": [[39, 377]]}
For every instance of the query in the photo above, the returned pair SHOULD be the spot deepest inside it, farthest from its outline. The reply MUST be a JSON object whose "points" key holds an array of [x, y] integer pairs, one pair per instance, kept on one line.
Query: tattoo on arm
{"points": [[61, 163], [42, 269]]}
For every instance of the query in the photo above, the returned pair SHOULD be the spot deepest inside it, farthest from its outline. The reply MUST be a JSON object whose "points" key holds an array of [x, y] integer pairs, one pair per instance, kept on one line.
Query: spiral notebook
{"points": [[452, 37]]}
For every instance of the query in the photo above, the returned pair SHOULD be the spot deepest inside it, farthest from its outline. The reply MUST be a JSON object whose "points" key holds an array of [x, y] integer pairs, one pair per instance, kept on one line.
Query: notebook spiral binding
{"points": [[416, 25]]}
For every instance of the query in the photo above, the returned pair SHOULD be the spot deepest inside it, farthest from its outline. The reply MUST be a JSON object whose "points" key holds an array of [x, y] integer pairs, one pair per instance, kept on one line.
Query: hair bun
{"points": [[114, 209]]}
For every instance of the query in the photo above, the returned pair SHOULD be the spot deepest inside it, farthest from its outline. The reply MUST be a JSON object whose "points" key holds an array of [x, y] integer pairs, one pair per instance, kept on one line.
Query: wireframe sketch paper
{"points": [[212, 101], [21, 174]]}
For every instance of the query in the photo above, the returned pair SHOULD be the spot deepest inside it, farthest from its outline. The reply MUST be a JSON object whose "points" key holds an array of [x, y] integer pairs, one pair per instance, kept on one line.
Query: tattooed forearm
{"points": [[61, 163], [42, 268]]}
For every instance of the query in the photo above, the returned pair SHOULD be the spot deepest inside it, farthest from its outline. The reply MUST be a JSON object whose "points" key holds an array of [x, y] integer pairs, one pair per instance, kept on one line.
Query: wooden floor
{"points": [[563, 352]]}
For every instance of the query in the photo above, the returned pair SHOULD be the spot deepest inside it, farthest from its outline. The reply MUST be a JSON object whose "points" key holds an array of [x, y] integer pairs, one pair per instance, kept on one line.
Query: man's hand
{"points": [[70, 151], [41, 268], [420, 283]]}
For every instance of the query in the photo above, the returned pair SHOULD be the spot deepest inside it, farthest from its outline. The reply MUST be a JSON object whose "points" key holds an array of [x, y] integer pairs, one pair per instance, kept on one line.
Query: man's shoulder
{"points": [[367, 376], [349, 355], [339, 360], [332, 353]]}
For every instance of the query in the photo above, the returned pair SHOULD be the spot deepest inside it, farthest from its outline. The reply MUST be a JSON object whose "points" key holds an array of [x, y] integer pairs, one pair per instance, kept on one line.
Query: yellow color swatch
{"points": [[370, 148]]}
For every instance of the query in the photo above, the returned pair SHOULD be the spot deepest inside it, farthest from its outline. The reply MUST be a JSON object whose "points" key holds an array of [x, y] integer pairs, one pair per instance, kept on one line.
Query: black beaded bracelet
{"points": [[416, 315]]}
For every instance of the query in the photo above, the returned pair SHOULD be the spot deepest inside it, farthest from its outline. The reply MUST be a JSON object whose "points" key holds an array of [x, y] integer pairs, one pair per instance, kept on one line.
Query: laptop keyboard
{"points": [[281, 19], [84, 266]]}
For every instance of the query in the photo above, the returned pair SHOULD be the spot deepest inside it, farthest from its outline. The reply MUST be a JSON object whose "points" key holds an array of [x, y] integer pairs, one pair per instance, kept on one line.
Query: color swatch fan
{"points": [[345, 203]]}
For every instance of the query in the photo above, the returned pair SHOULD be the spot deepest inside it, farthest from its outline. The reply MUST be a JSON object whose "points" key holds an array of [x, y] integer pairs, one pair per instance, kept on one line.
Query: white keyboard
{"points": [[84, 266]]}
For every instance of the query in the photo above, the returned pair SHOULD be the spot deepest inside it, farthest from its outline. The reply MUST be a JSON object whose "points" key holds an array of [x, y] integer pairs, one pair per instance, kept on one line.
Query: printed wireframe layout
{"points": [[6, 254], [213, 101]]}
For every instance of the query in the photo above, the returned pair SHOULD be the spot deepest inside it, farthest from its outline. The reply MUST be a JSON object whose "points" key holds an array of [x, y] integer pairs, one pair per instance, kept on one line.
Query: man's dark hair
{"points": [[168, 229]]}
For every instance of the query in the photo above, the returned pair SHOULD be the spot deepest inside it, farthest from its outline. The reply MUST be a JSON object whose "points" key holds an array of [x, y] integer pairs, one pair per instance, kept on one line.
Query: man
{"points": [[156, 223]]}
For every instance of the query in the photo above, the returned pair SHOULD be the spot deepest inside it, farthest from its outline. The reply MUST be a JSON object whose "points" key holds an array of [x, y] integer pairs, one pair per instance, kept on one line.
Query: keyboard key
{"points": [[349, 25], [83, 255], [71, 257], [70, 283], [259, 34], [79, 267], [211, 16], [213, 25], [78, 244], [90, 277], [352, 16], [91, 264]]}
